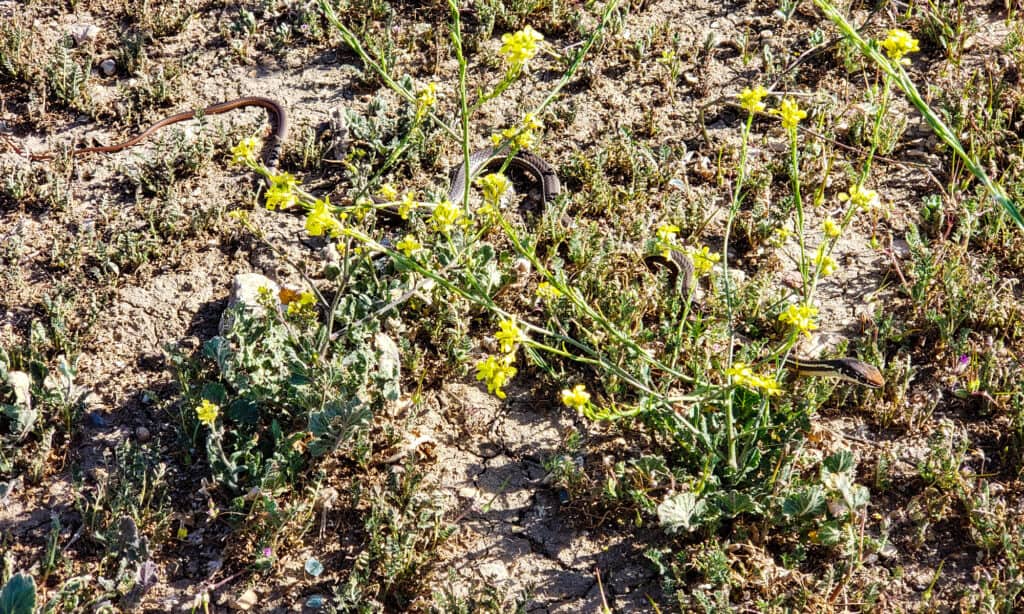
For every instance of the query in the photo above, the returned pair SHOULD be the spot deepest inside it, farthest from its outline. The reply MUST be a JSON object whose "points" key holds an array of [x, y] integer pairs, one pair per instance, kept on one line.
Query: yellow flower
{"points": [[281, 193], [667, 234], [508, 336], [547, 291], [899, 43], [445, 215], [363, 206], [577, 398], [245, 151], [832, 229], [426, 98], [304, 303], [496, 373], [494, 186], [530, 122], [824, 262], [409, 245], [522, 136], [790, 113], [703, 259], [750, 99], [743, 375], [860, 197], [407, 205], [321, 219], [520, 47], [207, 412], [387, 192], [801, 317]]}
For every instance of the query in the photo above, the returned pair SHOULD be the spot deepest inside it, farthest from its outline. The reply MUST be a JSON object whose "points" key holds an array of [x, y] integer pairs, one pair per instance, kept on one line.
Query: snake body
{"points": [[279, 121], [680, 267]]}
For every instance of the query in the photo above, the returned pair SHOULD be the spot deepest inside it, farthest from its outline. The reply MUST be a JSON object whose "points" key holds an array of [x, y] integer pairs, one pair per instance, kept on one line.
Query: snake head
{"points": [[858, 372]]}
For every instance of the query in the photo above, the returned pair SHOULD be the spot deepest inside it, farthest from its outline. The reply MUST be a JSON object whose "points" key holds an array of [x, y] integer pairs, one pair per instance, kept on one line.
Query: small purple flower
{"points": [[267, 552], [962, 363]]}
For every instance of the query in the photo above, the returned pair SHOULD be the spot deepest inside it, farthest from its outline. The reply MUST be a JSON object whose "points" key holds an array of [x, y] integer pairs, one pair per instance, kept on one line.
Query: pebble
{"points": [[247, 601], [108, 67], [83, 32], [142, 434]]}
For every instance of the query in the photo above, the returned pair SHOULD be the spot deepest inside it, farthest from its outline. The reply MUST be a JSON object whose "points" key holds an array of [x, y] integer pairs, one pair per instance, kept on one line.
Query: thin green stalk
{"points": [[794, 157], [737, 198], [896, 72]]}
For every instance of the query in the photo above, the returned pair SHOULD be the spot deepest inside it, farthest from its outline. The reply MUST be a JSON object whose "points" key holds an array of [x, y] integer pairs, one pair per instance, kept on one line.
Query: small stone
{"points": [[108, 67], [21, 384], [389, 358], [247, 600], [142, 434], [766, 34], [83, 33], [245, 289]]}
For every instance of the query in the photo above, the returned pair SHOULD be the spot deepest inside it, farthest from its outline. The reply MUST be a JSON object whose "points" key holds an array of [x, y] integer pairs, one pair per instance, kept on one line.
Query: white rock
{"points": [[245, 289], [108, 67], [83, 32]]}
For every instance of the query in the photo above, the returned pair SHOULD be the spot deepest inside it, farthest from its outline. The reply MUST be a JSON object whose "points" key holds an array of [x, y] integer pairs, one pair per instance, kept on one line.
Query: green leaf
{"points": [[337, 423], [18, 595], [681, 512], [215, 393], [733, 503], [804, 504], [840, 462], [830, 533], [245, 411]]}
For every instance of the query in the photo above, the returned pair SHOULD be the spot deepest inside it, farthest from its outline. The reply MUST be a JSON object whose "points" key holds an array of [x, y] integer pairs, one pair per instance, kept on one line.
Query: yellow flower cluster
{"points": [[387, 192], [743, 375], [832, 230], [861, 198], [282, 193], [824, 262], [547, 291], [303, 304], [703, 259], [790, 113], [508, 335], [800, 317], [750, 99], [245, 151], [494, 187], [445, 215], [520, 47], [321, 220], [207, 412], [407, 206], [898, 43], [577, 398], [522, 136], [666, 237], [426, 98], [409, 245], [496, 372]]}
